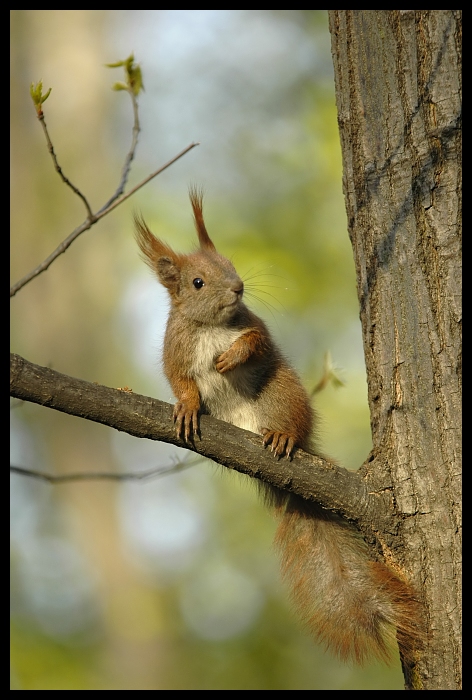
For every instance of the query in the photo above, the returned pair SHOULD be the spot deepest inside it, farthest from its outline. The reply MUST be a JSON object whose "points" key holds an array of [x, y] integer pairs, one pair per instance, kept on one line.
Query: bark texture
{"points": [[398, 95]]}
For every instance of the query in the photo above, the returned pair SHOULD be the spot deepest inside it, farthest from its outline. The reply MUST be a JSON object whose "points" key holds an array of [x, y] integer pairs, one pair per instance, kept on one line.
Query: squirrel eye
{"points": [[198, 283]]}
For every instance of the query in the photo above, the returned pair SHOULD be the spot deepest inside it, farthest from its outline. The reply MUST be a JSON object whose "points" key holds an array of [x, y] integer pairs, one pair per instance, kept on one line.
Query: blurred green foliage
{"points": [[171, 583]]}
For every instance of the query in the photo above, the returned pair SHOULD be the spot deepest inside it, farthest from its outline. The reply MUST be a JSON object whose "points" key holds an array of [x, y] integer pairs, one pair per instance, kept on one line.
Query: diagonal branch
{"points": [[90, 221], [309, 476]]}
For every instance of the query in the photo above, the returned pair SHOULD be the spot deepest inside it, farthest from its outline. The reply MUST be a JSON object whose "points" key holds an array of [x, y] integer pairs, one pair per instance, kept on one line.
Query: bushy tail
{"points": [[355, 606]]}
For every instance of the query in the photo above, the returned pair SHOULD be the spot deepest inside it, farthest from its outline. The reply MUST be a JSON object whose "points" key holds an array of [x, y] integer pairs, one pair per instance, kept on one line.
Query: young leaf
{"points": [[133, 75], [36, 92]]}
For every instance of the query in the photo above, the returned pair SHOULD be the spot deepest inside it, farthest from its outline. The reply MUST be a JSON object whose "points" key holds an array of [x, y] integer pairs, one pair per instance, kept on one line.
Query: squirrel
{"points": [[220, 359]]}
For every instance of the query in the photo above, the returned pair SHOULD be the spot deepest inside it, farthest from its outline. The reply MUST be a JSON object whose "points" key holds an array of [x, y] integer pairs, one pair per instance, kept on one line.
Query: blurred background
{"points": [[171, 582]]}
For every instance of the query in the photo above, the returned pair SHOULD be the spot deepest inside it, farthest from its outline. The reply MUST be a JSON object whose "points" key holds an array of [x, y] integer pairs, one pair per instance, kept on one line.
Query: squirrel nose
{"points": [[238, 287]]}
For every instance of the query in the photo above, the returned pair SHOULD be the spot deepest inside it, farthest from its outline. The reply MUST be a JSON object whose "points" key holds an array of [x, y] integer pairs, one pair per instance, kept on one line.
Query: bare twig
{"points": [[133, 85], [103, 212], [39, 99], [126, 168], [58, 167], [88, 223], [110, 476]]}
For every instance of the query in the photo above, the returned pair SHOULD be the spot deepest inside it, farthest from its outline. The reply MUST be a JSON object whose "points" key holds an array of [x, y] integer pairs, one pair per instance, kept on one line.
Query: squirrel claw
{"points": [[280, 443], [186, 423]]}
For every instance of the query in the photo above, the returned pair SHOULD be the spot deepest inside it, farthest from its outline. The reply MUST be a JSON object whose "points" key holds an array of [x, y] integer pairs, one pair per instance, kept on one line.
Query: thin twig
{"points": [[102, 212], [110, 476], [88, 223], [126, 167], [58, 167], [128, 160]]}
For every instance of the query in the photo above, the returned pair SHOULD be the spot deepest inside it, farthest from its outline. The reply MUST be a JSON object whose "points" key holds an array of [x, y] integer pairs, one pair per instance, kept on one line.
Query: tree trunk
{"points": [[398, 94]]}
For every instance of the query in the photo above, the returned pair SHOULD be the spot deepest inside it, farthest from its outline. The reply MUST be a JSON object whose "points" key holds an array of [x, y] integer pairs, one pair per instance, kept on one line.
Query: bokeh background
{"points": [[172, 582]]}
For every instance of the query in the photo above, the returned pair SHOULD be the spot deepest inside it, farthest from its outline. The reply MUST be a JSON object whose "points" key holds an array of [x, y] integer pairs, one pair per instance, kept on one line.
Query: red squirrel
{"points": [[220, 359]]}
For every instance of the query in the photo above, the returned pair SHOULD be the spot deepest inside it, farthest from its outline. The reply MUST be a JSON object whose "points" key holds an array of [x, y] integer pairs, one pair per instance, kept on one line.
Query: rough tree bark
{"points": [[398, 94]]}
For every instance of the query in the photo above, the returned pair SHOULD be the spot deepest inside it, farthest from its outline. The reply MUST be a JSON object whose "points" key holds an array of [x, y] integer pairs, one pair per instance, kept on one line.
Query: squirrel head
{"points": [[203, 286]]}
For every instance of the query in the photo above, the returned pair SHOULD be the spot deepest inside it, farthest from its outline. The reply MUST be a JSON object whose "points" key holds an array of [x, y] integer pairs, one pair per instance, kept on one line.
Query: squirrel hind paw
{"points": [[280, 443], [186, 422]]}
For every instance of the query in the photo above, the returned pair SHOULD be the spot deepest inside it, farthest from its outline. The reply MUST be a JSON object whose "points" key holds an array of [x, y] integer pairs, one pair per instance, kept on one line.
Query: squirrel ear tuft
{"points": [[151, 247], [196, 200], [158, 255]]}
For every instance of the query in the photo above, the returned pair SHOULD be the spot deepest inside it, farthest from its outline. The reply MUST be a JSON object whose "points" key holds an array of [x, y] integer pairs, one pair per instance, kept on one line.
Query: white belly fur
{"points": [[226, 396]]}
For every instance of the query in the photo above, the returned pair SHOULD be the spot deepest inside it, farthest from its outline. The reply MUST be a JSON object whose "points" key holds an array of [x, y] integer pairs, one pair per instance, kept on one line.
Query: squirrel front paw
{"points": [[186, 420], [249, 344], [228, 360], [280, 443]]}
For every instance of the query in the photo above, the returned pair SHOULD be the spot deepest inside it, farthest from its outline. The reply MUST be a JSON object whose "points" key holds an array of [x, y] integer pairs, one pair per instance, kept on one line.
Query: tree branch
{"points": [[130, 155], [309, 476], [58, 168], [105, 476], [90, 221]]}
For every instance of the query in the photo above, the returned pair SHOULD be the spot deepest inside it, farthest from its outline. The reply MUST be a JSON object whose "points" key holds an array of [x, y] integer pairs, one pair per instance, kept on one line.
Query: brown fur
{"points": [[220, 359]]}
